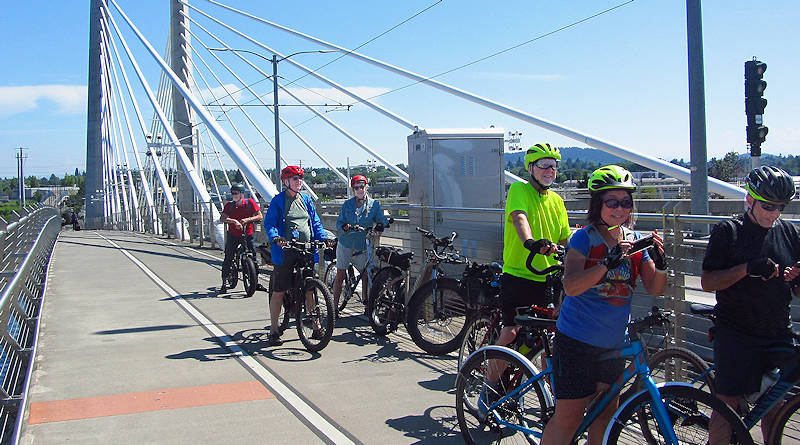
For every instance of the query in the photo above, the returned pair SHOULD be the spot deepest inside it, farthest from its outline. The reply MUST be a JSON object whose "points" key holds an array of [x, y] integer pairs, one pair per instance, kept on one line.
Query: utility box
{"points": [[460, 173]]}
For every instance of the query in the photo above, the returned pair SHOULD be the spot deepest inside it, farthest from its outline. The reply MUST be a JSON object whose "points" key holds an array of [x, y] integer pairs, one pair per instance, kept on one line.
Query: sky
{"points": [[620, 76]]}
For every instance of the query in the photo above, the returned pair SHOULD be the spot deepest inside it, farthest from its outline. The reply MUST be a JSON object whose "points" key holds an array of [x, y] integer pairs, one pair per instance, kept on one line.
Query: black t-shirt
{"points": [[753, 306]]}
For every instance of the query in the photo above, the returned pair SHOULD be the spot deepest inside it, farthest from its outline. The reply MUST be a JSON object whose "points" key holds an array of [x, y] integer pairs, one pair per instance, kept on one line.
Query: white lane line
{"points": [[275, 385]]}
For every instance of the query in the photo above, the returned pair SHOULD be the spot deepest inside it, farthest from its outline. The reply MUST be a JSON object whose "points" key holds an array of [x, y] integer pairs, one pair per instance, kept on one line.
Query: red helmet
{"points": [[358, 178], [291, 171]]}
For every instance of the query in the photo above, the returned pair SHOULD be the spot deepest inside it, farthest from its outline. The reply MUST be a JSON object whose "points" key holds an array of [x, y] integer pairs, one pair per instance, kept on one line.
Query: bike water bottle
{"points": [[295, 234], [767, 380], [527, 345]]}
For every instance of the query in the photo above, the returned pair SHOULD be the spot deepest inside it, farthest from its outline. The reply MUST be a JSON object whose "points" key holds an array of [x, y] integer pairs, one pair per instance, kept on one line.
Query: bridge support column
{"points": [[95, 188]]}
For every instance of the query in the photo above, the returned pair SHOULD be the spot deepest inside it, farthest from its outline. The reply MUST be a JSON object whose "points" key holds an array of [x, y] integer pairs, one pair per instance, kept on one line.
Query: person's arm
{"points": [[714, 280], [655, 281], [341, 221], [578, 280], [257, 216], [523, 228]]}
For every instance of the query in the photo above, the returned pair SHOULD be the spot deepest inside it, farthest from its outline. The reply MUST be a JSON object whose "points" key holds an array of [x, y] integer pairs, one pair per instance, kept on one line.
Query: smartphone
{"points": [[640, 244]]}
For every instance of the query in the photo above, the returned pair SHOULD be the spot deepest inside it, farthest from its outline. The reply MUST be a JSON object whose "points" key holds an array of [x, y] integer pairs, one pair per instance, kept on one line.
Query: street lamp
{"points": [[275, 60]]}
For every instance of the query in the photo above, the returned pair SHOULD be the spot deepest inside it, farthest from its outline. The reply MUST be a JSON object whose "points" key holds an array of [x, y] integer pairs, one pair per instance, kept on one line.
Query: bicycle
{"points": [[308, 299], [524, 403], [353, 275], [244, 261], [694, 370], [484, 329]]}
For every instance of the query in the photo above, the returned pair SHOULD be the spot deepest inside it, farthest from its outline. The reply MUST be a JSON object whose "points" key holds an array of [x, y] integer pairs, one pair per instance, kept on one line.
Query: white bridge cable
{"points": [[355, 140], [403, 121], [263, 184], [166, 190], [110, 139], [237, 105], [118, 178], [132, 210], [263, 135], [714, 185], [387, 113]]}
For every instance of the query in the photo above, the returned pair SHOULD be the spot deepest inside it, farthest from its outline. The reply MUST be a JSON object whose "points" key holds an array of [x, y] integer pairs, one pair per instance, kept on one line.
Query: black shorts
{"points": [[577, 368], [281, 279], [741, 360], [518, 292]]}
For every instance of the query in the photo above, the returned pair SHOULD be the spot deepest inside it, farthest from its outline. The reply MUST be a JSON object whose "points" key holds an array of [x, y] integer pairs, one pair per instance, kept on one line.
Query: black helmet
{"points": [[770, 184], [237, 187]]}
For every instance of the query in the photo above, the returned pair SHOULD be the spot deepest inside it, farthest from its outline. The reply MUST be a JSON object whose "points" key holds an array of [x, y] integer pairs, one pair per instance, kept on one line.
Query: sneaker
{"points": [[274, 339], [489, 395], [317, 334], [223, 289]]}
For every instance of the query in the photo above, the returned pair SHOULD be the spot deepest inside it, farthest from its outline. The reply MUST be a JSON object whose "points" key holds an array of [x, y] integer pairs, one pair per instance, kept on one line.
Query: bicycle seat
{"points": [[533, 322], [701, 309]]}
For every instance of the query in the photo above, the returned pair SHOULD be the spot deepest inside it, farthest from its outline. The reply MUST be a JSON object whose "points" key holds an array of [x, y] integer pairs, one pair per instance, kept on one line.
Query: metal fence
{"points": [[26, 245]]}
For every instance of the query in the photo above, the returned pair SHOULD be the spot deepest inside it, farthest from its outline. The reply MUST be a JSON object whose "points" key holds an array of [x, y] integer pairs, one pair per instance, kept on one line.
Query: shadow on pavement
{"points": [[438, 423]]}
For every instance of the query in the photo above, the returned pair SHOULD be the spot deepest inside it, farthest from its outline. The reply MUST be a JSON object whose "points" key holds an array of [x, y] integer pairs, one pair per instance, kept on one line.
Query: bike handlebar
{"points": [[656, 317], [558, 255]]}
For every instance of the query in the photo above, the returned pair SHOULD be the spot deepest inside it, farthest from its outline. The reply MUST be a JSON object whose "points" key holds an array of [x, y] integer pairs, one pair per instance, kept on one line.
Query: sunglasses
{"points": [[772, 207], [544, 165], [359, 187], [614, 203]]}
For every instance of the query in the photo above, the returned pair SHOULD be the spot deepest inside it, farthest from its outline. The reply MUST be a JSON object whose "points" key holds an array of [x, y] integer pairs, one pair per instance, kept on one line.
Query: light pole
{"points": [[275, 60]]}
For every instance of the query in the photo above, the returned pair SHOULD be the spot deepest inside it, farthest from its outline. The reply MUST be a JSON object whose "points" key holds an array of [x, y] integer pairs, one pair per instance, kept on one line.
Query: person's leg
{"points": [[566, 420], [337, 285], [230, 249], [275, 304], [719, 432]]}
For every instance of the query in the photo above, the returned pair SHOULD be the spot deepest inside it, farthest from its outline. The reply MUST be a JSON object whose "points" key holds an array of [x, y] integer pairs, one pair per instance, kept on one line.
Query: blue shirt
{"points": [[365, 216], [599, 316], [274, 222]]}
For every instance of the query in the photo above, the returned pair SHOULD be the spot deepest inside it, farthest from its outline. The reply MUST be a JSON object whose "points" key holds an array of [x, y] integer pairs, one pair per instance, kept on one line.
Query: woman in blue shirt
{"points": [[362, 211]]}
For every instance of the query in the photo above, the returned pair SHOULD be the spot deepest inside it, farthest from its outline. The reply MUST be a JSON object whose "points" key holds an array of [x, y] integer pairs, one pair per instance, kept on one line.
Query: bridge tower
{"points": [[183, 117], [95, 190]]}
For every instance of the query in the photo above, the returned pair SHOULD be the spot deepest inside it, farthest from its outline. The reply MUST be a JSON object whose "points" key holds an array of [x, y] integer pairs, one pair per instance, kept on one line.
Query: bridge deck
{"points": [[136, 347]]}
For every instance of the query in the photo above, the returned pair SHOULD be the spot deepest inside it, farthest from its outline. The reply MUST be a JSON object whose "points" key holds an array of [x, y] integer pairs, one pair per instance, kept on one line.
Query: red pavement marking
{"points": [[139, 402]]}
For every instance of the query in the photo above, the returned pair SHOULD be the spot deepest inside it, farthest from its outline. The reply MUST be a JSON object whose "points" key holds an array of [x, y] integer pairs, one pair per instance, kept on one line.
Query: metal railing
{"points": [[27, 245]]}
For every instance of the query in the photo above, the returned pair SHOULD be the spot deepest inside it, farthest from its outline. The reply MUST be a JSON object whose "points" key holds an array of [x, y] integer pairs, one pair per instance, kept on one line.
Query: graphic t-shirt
{"points": [[547, 217], [248, 208], [599, 316]]}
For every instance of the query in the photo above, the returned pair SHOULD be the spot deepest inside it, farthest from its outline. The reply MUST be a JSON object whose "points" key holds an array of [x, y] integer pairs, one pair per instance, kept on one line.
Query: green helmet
{"points": [[611, 177], [539, 151], [770, 184]]}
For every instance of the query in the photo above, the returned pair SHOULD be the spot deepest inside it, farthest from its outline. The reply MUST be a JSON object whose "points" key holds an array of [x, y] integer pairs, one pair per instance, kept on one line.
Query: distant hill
{"points": [[585, 154]]}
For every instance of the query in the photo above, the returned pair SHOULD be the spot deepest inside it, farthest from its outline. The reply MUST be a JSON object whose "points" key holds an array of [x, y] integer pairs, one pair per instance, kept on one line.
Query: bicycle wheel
{"points": [[285, 315], [387, 295], [529, 408], [233, 274], [249, 276], [437, 316], [480, 332], [786, 428], [689, 410], [315, 315]]}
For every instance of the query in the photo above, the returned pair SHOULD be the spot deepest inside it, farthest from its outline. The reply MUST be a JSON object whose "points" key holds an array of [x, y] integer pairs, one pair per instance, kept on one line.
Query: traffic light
{"points": [[754, 104]]}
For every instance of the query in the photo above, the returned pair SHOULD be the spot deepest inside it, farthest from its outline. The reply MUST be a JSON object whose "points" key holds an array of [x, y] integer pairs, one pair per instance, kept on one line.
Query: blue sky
{"points": [[621, 76]]}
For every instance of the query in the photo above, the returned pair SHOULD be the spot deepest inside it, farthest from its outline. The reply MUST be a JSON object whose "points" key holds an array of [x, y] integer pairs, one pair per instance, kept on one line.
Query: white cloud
{"points": [[68, 99], [518, 76], [222, 96], [332, 96]]}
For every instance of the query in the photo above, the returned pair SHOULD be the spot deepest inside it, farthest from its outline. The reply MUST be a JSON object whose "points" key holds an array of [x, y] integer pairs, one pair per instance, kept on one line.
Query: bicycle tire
{"points": [[319, 318], [249, 276], [439, 330], [673, 365], [286, 313], [786, 427], [233, 274], [383, 303], [689, 409], [480, 332], [531, 409], [347, 285]]}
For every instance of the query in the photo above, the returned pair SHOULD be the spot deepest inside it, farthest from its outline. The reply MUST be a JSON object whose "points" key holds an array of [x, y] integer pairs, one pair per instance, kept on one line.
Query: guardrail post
{"points": [[201, 226]]}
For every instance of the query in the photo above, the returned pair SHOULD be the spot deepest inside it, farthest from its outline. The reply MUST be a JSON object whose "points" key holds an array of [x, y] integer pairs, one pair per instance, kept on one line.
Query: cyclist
{"points": [[290, 212], [536, 220], [599, 278], [238, 213], [751, 263], [361, 211]]}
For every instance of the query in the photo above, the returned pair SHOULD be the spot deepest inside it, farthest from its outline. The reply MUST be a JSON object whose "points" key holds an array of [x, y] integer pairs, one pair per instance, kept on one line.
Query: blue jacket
{"points": [[373, 214], [274, 223]]}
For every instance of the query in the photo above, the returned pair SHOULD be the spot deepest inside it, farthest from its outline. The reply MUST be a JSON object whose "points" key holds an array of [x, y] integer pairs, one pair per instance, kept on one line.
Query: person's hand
{"points": [[238, 224], [792, 274], [279, 240], [379, 228], [346, 227], [762, 267], [542, 246], [614, 257], [657, 252], [330, 242]]}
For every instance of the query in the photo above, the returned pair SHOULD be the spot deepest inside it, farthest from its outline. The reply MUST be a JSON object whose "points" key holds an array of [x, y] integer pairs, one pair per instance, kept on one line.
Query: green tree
{"points": [[726, 168]]}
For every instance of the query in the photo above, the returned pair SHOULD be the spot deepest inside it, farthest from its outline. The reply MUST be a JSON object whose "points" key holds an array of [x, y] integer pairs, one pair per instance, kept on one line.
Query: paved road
{"points": [[137, 347]]}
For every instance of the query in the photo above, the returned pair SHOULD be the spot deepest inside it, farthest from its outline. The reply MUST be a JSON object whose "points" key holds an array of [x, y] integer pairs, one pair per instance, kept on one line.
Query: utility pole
{"points": [[21, 176], [277, 122], [697, 112]]}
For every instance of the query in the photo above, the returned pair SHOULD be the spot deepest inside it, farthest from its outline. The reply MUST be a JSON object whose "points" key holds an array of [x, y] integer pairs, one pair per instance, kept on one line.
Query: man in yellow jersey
{"points": [[536, 220]]}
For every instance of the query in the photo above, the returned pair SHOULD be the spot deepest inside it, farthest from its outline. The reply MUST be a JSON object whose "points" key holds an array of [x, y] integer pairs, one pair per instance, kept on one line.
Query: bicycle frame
{"points": [[771, 397], [369, 265]]}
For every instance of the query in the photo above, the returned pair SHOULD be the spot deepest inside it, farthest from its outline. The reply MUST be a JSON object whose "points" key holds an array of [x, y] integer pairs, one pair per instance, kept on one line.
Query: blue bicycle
{"points": [[519, 406]]}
